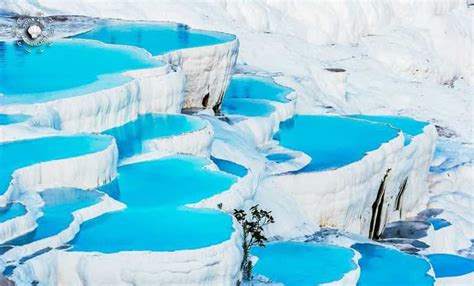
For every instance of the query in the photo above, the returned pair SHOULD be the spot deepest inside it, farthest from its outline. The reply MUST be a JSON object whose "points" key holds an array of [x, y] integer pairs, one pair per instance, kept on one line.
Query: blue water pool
{"points": [[57, 212], [245, 107], [157, 38], [230, 167], [410, 127], [256, 88], [23, 153], [6, 119], [439, 223], [384, 266], [67, 68], [280, 157], [447, 265], [300, 264], [10, 211], [332, 141], [130, 137], [155, 219]]}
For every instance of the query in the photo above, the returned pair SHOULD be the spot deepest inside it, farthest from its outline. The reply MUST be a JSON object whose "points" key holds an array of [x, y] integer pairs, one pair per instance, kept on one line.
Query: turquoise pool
{"points": [[280, 157], [447, 265], [384, 266], [59, 204], [10, 211], [6, 119], [23, 153], [155, 219], [230, 167], [300, 264], [247, 87], [244, 107], [156, 38], [410, 127], [65, 69], [332, 141], [130, 137], [438, 223]]}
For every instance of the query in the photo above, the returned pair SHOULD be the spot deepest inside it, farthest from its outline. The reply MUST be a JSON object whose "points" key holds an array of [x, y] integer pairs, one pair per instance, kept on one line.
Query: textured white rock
{"points": [[83, 172], [342, 198], [152, 91], [107, 204], [214, 265], [17, 226], [42, 121], [463, 280], [197, 143], [207, 70], [262, 129]]}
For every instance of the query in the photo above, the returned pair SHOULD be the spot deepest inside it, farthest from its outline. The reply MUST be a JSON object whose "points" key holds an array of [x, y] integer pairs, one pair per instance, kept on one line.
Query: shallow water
{"points": [[230, 167], [410, 127], [246, 107], [6, 119], [24, 153], [65, 69], [155, 219], [10, 211], [279, 157], [332, 141], [156, 38], [131, 136], [439, 223], [57, 212], [447, 265], [384, 266], [256, 88], [300, 264]]}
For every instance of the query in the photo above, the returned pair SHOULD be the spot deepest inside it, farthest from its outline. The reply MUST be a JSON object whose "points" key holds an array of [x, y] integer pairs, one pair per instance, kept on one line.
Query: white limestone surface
{"points": [[83, 172], [261, 128], [214, 265], [107, 204], [343, 197], [152, 90], [197, 143], [17, 226], [207, 70]]}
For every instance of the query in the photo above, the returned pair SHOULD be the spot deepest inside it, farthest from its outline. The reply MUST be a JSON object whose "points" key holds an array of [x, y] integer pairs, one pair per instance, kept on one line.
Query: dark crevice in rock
{"points": [[217, 106], [377, 207], [398, 200], [335, 69], [205, 100]]}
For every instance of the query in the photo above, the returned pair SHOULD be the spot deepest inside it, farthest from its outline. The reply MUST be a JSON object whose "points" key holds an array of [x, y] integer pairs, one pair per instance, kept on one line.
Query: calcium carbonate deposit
{"points": [[127, 143]]}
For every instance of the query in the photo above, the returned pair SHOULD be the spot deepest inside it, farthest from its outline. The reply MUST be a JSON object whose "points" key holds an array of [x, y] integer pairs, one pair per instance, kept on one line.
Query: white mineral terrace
{"points": [[157, 159]]}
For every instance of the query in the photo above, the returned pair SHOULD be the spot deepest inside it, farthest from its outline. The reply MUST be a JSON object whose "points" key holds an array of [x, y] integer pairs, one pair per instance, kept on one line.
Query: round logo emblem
{"points": [[33, 33]]}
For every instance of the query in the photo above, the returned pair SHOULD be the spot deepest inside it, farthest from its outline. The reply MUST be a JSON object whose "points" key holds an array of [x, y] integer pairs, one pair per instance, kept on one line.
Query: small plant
{"points": [[252, 225]]}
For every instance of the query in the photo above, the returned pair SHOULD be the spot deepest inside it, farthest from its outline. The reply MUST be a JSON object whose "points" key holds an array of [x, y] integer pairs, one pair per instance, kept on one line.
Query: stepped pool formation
{"points": [[138, 136], [447, 265], [410, 127], [334, 141], [376, 267], [126, 169], [6, 119], [77, 67], [155, 219], [59, 204], [24, 153], [181, 46], [299, 264], [156, 38], [11, 211]]}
